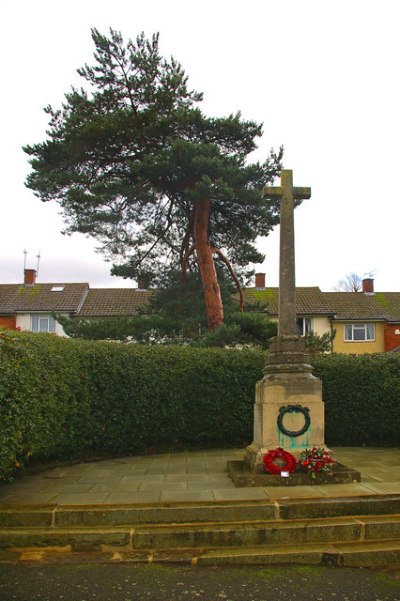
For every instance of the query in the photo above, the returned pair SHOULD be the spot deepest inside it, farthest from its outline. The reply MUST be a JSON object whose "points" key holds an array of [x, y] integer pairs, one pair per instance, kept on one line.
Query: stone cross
{"points": [[287, 325]]}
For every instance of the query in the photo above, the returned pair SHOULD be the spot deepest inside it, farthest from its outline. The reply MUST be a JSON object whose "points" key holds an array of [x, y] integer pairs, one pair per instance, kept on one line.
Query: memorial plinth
{"points": [[288, 409]]}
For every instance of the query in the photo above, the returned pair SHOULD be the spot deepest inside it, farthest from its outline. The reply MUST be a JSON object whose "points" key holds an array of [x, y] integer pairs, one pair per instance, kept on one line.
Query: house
{"points": [[29, 306], [364, 322], [313, 312]]}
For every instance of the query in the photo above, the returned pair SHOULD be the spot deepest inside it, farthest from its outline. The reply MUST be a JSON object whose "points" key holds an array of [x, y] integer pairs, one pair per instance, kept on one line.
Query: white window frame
{"points": [[352, 329], [303, 325], [43, 323]]}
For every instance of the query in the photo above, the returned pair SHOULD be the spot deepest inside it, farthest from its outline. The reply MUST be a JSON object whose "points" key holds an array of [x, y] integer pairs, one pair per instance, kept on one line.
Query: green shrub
{"points": [[62, 398], [42, 401], [362, 398]]}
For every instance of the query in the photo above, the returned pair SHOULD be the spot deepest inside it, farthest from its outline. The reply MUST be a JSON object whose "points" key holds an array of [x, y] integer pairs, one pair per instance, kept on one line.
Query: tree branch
{"points": [[185, 242], [169, 223], [233, 274], [185, 260]]}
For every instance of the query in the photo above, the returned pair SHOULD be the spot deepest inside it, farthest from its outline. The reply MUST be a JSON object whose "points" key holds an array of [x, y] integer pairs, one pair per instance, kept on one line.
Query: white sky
{"points": [[322, 75]]}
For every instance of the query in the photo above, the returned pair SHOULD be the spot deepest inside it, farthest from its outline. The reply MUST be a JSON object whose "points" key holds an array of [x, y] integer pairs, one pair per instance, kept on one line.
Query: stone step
{"points": [[121, 515], [344, 554], [275, 532], [207, 535], [180, 513], [363, 505]]}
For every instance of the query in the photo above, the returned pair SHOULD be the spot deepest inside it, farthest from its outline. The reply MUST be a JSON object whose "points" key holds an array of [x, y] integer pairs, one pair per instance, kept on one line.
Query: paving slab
{"points": [[285, 492], [197, 478], [85, 498], [130, 487], [131, 497], [236, 494], [344, 490], [189, 476], [186, 496], [383, 487], [27, 499], [211, 484], [164, 486]]}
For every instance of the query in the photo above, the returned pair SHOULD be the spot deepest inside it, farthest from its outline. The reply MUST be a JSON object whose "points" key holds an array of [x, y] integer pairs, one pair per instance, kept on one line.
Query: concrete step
{"points": [[339, 506], [346, 554], [117, 515], [362, 530], [243, 534], [207, 535], [179, 513]]}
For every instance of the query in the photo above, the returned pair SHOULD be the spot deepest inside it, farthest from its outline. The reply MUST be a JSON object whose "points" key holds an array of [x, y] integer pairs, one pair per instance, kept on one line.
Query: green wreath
{"points": [[294, 409]]}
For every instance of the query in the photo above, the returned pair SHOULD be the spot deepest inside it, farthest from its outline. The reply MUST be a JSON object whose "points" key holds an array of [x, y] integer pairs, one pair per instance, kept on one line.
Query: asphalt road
{"points": [[133, 582]]}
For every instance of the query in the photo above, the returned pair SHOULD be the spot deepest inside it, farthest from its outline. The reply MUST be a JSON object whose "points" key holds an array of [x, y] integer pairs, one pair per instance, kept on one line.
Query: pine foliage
{"points": [[130, 155]]}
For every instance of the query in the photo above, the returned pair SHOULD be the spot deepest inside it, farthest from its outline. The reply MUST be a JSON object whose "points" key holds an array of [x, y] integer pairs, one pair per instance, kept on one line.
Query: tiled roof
{"points": [[339, 305], [358, 305], [108, 302], [309, 301], [20, 298]]}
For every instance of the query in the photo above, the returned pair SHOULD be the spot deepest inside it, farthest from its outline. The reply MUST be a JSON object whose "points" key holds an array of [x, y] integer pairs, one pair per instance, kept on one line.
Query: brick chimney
{"points": [[29, 277], [142, 283], [260, 280], [368, 286]]}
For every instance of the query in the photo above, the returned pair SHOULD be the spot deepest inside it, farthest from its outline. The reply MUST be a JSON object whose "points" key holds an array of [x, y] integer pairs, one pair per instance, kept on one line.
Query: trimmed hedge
{"points": [[362, 398], [63, 398]]}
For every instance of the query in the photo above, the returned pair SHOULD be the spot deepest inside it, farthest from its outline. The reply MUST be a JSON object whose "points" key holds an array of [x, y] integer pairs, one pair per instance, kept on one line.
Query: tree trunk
{"points": [[205, 259]]}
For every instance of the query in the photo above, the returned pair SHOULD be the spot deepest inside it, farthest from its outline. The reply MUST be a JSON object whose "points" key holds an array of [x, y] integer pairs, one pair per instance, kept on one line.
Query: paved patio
{"points": [[189, 477]]}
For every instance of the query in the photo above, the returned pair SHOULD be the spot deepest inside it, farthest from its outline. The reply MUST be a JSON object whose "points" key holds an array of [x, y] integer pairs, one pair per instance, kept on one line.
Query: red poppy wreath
{"points": [[278, 460]]}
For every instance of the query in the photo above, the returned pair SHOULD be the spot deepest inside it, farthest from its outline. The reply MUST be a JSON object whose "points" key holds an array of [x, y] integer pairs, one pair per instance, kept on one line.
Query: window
{"points": [[303, 326], [59, 288], [359, 332], [43, 323]]}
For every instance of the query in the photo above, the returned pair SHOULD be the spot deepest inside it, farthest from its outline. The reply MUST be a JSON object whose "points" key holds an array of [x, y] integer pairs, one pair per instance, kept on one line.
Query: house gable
{"points": [[19, 303]]}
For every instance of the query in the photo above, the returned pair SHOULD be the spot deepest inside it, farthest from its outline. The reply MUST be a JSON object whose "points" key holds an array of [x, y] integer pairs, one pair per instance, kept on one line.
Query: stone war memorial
{"points": [[288, 410]]}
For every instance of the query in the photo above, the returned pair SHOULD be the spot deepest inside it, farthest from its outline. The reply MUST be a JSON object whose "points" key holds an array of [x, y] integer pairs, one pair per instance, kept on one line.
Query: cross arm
{"points": [[299, 193]]}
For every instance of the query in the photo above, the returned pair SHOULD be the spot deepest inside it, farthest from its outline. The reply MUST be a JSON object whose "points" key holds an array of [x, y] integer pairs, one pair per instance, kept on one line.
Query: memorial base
{"points": [[243, 476], [288, 415]]}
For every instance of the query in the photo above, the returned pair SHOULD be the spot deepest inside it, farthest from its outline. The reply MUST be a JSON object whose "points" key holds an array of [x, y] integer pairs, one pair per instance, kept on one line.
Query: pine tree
{"points": [[133, 161]]}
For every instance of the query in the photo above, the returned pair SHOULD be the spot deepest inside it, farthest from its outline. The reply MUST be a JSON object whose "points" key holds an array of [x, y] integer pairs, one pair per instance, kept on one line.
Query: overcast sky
{"points": [[323, 77]]}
